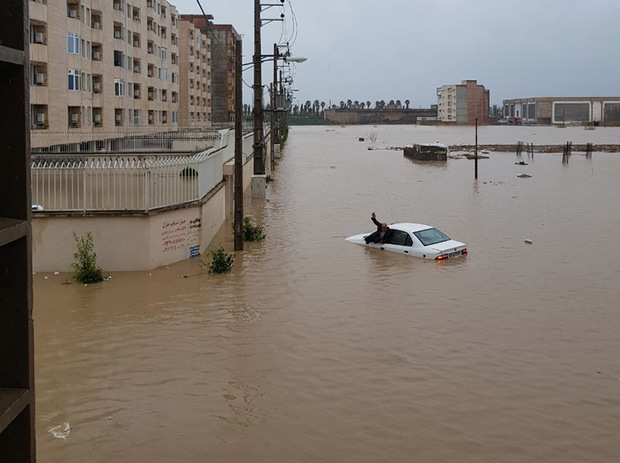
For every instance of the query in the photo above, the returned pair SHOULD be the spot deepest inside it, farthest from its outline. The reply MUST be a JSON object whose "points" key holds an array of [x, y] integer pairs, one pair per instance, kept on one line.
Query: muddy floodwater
{"points": [[314, 349]]}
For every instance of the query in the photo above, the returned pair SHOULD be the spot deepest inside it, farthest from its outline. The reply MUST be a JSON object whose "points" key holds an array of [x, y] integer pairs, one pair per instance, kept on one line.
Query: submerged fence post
{"points": [[519, 148]]}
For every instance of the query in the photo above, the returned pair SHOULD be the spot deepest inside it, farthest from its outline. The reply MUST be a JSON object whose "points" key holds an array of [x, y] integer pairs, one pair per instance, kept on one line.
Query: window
{"points": [[401, 238], [73, 79], [118, 58], [430, 236], [163, 74], [137, 117], [163, 53], [175, 77], [74, 44], [119, 87]]}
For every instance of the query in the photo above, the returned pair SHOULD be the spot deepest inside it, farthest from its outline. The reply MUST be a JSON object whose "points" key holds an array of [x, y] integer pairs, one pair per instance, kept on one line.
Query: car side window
{"points": [[400, 238]]}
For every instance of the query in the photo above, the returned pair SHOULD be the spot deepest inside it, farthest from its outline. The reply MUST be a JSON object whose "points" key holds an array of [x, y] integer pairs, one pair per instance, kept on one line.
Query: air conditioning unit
{"points": [[72, 14], [97, 118], [136, 69], [38, 78], [38, 37], [96, 86], [95, 24], [136, 18], [74, 118], [136, 43], [96, 55], [40, 118], [118, 118], [149, 49], [117, 34]]}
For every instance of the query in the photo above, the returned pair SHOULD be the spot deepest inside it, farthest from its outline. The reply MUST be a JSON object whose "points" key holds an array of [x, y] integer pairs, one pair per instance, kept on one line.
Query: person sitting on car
{"points": [[383, 233]]}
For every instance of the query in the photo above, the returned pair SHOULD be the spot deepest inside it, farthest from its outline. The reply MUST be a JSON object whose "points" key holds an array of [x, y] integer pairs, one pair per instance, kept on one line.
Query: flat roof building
{"points": [[563, 110], [463, 103], [223, 37]]}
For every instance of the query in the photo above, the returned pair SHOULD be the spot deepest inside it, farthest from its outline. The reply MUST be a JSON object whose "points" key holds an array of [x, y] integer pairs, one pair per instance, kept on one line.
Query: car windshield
{"points": [[430, 236]]}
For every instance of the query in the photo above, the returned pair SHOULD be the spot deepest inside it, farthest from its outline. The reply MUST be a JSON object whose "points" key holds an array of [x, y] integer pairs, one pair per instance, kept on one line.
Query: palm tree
{"points": [[323, 107], [342, 104], [391, 104], [398, 104], [368, 104], [407, 102], [349, 103]]}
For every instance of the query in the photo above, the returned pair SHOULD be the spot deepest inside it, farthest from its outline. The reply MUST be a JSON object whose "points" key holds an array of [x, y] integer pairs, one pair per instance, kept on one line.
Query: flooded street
{"points": [[318, 350]]}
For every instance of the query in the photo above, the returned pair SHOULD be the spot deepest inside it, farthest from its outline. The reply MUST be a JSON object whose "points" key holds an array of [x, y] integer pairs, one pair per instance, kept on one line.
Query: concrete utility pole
{"points": [[238, 149], [259, 154], [274, 103]]}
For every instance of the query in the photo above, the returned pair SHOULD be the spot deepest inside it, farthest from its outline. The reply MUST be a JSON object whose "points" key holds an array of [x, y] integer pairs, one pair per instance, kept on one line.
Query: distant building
{"points": [[463, 103], [223, 37], [563, 110], [194, 75]]}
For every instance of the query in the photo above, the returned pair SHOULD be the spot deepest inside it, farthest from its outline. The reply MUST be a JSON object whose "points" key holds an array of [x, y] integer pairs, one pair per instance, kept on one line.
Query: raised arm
{"points": [[374, 220]]}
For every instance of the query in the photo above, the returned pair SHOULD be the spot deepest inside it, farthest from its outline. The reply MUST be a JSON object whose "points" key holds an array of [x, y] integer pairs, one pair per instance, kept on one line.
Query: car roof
{"points": [[410, 227]]}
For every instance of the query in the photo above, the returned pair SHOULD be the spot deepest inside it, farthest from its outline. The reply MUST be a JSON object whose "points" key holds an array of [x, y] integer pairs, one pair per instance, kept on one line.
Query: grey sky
{"points": [[405, 49]]}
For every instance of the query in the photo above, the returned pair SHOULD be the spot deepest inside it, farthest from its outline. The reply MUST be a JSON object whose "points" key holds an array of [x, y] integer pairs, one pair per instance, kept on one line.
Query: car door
{"points": [[399, 242]]}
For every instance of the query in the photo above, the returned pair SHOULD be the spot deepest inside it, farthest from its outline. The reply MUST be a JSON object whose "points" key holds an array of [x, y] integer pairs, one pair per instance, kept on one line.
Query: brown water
{"points": [[317, 350]]}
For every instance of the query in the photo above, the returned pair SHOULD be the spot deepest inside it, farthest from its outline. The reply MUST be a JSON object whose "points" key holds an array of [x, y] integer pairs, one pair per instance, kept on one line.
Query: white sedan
{"points": [[416, 239]]}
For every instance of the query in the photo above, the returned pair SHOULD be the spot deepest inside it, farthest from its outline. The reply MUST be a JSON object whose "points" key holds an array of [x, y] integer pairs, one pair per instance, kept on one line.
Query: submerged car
{"points": [[416, 239]]}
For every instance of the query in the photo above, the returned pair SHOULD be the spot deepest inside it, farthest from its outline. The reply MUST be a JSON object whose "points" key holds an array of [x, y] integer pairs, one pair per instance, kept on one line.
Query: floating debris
{"points": [[528, 241], [524, 176], [61, 431]]}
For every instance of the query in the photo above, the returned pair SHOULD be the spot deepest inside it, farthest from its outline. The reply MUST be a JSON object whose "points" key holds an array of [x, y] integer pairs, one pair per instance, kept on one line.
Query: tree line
{"points": [[317, 108]]}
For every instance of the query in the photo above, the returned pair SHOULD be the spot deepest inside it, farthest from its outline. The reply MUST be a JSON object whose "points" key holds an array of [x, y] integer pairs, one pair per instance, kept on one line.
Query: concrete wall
{"points": [[141, 242], [374, 116]]}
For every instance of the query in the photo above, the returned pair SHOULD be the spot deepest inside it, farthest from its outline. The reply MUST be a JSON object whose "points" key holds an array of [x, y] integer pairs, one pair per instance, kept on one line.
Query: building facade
{"points": [[223, 38], [463, 103], [195, 75], [102, 67], [563, 110]]}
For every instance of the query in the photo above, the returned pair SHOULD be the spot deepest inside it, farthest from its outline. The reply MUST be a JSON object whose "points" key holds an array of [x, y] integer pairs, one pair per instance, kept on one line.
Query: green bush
{"points": [[252, 232], [221, 261], [85, 260]]}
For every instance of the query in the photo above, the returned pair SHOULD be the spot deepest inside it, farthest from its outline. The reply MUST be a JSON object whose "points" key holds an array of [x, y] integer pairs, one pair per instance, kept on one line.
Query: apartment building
{"points": [[102, 67], [195, 75], [463, 103], [222, 78]]}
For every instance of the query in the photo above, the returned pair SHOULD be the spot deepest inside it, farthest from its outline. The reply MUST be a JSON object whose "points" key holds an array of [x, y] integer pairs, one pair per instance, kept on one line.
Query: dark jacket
{"points": [[375, 237]]}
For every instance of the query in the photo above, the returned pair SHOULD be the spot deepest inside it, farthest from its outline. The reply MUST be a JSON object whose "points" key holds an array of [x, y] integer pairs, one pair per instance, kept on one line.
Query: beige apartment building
{"points": [[194, 75], [463, 103], [102, 68]]}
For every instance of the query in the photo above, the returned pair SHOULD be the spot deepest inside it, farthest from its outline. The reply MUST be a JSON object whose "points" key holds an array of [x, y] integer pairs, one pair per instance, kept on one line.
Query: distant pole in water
{"points": [[476, 153]]}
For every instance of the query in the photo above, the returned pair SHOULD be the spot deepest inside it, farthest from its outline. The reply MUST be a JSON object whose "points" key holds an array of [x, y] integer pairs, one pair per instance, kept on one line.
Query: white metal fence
{"points": [[125, 182]]}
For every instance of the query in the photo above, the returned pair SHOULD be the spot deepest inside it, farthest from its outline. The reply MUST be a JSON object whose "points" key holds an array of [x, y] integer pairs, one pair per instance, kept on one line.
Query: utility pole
{"points": [[476, 153], [238, 225], [274, 104], [259, 155]]}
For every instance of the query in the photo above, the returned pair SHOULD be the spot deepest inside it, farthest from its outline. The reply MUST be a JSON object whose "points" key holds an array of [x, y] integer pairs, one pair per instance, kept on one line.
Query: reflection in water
{"points": [[314, 349]]}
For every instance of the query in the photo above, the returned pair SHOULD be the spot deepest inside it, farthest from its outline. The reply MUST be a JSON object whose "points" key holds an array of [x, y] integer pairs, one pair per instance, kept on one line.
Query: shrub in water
{"points": [[252, 232], [85, 260], [221, 261]]}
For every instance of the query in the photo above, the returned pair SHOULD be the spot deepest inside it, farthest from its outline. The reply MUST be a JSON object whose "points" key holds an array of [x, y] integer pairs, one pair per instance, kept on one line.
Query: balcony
{"points": [[38, 95], [38, 52], [37, 12]]}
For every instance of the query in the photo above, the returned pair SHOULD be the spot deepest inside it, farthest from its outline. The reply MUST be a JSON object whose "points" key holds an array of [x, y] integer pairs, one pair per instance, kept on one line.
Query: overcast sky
{"points": [[371, 50]]}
